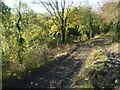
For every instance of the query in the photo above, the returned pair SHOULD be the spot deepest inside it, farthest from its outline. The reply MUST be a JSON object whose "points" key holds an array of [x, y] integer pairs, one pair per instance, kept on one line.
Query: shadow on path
{"points": [[55, 74]]}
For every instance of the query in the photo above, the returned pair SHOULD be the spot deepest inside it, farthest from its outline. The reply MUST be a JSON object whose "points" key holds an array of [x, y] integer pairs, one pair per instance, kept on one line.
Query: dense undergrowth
{"points": [[33, 58]]}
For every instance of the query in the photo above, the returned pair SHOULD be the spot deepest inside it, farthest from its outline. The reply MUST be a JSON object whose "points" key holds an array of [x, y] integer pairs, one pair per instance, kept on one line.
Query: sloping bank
{"points": [[97, 72]]}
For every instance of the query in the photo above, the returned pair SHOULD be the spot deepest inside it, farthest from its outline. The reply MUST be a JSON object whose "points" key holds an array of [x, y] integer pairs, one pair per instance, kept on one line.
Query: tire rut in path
{"points": [[57, 74]]}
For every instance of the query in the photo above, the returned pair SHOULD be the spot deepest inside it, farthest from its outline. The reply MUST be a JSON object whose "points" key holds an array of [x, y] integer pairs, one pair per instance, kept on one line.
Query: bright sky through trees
{"points": [[41, 9]]}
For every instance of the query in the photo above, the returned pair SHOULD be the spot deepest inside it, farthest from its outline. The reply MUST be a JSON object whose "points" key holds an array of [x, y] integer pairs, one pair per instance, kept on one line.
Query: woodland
{"points": [[70, 46]]}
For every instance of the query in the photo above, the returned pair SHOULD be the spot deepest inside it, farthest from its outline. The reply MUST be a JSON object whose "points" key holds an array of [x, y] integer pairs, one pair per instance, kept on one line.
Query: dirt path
{"points": [[57, 74], [102, 68]]}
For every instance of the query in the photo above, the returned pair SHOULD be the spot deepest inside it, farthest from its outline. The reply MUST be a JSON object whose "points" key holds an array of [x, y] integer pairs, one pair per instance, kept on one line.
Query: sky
{"points": [[40, 9]]}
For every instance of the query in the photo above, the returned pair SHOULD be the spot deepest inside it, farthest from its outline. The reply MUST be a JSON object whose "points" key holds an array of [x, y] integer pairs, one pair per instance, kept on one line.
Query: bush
{"points": [[36, 57], [33, 57]]}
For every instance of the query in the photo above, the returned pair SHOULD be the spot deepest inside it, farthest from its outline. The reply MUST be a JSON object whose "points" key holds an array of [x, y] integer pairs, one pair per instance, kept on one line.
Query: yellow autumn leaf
{"points": [[14, 74]]}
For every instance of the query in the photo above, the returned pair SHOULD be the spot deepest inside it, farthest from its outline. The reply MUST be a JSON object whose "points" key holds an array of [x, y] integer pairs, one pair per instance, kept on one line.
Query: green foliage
{"points": [[85, 22], [5, 13], [16, 45], [74, 32], [36, 57], [32, 58], [28, 37]]}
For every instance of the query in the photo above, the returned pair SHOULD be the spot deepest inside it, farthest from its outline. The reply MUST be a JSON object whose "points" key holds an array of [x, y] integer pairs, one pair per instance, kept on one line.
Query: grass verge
{"points": [[97, 72]]}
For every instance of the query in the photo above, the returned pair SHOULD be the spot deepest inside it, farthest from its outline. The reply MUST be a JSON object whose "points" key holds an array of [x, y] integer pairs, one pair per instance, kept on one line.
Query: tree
{"points": [[6, 12], [110, 16], [5, 32], [59, 17], [84, 21], [20, 40], [22, 21], [110, 13]]}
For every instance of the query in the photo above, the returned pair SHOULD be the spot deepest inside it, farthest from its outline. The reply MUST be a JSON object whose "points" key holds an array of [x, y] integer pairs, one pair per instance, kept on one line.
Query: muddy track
{"points": [[57, 74]]}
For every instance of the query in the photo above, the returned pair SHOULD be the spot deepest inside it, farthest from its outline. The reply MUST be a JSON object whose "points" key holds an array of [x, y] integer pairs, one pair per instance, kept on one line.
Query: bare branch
{"points": [[43, 3]]}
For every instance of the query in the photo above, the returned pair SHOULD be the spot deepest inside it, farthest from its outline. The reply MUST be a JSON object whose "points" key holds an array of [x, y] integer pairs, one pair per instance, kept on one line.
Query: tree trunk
{"points": [[98, 30], [19, 57], [63, 36]]}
